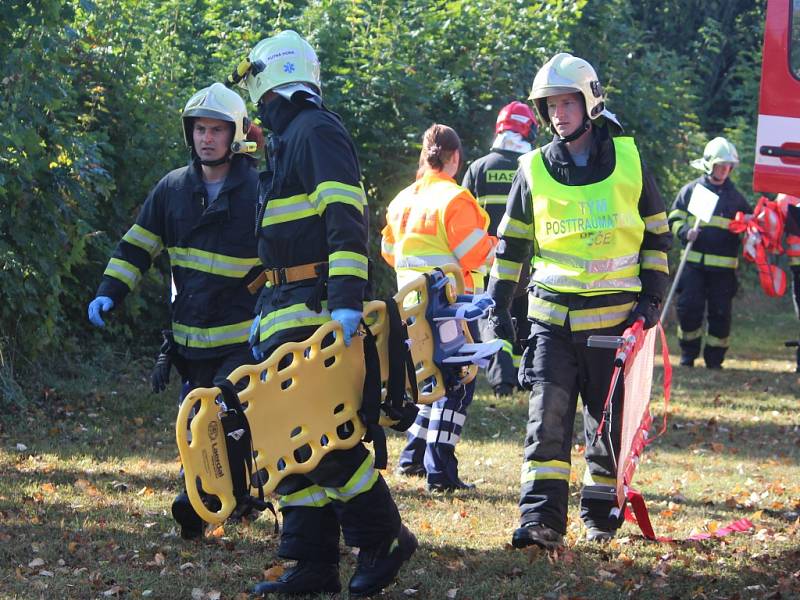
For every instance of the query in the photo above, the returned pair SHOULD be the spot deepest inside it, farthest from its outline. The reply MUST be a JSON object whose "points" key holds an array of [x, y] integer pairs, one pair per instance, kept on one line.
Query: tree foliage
{"points": [[91, 93]]}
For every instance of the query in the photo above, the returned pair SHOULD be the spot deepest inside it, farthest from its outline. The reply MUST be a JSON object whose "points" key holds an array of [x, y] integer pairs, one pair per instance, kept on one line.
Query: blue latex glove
{"points": [[253, 339], [98, 305], [349, 319]]}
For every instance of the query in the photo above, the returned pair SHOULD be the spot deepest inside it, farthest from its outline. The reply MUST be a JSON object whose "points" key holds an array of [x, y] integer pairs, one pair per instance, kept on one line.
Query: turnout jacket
{"points": [[312, 209], [489, 179], [212, 251], [715, 247], [586, 310]]}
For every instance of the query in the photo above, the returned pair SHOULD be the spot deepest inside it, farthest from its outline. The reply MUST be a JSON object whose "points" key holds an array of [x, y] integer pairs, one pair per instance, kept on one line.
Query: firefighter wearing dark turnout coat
{"points": [[203, 215], [708, 283], [591, 215], [312, 241], [489, 179]]}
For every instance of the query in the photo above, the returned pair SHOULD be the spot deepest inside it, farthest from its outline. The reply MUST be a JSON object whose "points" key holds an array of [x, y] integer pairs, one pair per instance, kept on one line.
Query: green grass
{"points": [[89, 497]]}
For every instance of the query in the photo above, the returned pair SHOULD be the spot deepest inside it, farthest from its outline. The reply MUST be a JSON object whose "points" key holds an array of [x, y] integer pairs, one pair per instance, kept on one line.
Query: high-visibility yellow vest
{"points": [[587, 237], [416, 217]]}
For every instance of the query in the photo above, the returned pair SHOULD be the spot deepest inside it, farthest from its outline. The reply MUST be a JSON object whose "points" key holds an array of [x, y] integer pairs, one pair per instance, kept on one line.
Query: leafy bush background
{"points": [[91, 93]]}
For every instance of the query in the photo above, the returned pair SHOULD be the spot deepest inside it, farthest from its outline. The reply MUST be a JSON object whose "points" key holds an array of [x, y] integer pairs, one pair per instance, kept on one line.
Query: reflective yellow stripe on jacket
{"points": [[211, 337], [211, 262], [583, 319], [712, 260]]}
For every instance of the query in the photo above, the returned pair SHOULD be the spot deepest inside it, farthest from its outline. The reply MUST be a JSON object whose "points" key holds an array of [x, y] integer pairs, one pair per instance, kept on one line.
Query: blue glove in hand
{"points": [[254, 340], [349, 319], [98, 305]]}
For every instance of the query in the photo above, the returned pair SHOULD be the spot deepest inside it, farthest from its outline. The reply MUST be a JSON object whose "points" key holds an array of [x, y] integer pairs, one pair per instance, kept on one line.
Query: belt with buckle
{"points": [[284, 275]]}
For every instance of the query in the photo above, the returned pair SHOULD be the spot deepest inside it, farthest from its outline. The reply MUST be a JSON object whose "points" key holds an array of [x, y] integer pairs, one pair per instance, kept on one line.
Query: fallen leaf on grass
{"points": [[145, 491], [273, 573], [217, 532], [159, 559], [48, 488], [410, 592], [452, 593], [36, 562], [113, 590]]}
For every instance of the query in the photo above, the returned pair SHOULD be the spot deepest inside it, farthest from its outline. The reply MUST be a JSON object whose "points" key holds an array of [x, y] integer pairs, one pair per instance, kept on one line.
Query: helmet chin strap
{"points": [[218, 162], [584, 127]]}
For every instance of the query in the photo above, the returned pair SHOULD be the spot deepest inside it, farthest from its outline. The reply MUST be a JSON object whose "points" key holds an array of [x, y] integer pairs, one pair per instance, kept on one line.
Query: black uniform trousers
{"points": [[311, 532], [557, 366], [705, 293], [202, 372]]}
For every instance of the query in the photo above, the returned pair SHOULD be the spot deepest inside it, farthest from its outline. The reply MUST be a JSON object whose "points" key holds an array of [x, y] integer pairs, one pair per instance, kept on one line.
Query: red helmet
{"points": [[518, 117]]}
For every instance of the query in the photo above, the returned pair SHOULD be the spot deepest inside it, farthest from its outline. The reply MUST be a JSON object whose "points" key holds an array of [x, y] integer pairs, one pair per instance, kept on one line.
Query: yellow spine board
{"points": [[302, 402]]}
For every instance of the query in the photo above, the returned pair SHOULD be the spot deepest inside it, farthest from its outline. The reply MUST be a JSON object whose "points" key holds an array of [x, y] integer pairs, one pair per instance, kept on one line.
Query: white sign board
{"points": [[702, 203]]}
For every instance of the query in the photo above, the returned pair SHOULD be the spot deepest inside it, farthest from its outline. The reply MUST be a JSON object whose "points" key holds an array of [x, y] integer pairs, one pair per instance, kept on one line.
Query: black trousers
{"points": [[202, 372], [312, 532], [344, 492], [705, 294], [557, 367]]}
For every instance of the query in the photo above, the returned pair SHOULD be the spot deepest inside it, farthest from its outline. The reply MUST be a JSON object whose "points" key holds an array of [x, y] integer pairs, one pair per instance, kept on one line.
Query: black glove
{"points": [[159, 377], [502, 325], [648, 307]]}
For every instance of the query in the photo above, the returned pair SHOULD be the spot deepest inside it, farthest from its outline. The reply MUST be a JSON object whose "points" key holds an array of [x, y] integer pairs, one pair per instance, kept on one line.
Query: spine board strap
{"points": [[239, 444], [396, 407]]}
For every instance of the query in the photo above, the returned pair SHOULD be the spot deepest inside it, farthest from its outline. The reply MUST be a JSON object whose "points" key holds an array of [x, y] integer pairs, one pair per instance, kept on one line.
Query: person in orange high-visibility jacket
{"points": [[431, 223]]}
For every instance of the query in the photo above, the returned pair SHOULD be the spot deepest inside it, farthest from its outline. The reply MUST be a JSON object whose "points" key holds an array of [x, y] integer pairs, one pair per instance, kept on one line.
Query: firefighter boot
{"points": [[379, 565], [797, 369], [306, 577], [531, 534], [601, 536], [503, 390], [192, 525]]}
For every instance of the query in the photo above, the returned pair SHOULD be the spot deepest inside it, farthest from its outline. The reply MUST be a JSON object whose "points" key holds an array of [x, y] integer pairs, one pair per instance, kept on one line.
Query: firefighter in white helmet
{"points": [[203, 215], [312, 241], [590, 214], [708, 283]]}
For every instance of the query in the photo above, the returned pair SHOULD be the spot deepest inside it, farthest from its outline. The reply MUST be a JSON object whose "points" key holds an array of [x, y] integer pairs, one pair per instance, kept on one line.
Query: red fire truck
{"points": [[777, 162]]}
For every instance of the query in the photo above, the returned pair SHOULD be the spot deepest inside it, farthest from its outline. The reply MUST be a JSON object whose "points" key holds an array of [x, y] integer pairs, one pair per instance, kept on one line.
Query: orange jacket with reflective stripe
{"points": [[434, 222]]}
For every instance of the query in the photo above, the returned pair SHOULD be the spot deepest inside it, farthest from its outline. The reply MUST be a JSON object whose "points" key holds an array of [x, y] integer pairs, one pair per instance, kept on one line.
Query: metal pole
{"points": [[681, 265]]}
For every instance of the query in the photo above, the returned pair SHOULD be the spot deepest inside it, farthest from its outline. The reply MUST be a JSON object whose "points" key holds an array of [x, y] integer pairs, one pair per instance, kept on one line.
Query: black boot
{"points": [[379, 565], [306, 577], [192, 525], [531, 534]]}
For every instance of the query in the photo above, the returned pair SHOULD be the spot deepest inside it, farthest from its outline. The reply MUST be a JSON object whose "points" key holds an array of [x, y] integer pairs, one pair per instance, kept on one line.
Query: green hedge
{"points": [[91, 93]]}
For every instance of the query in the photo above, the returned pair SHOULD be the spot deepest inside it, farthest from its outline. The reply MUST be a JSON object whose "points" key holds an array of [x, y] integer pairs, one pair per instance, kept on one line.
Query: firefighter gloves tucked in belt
{"points": [[159, 378], [648, 307]]}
